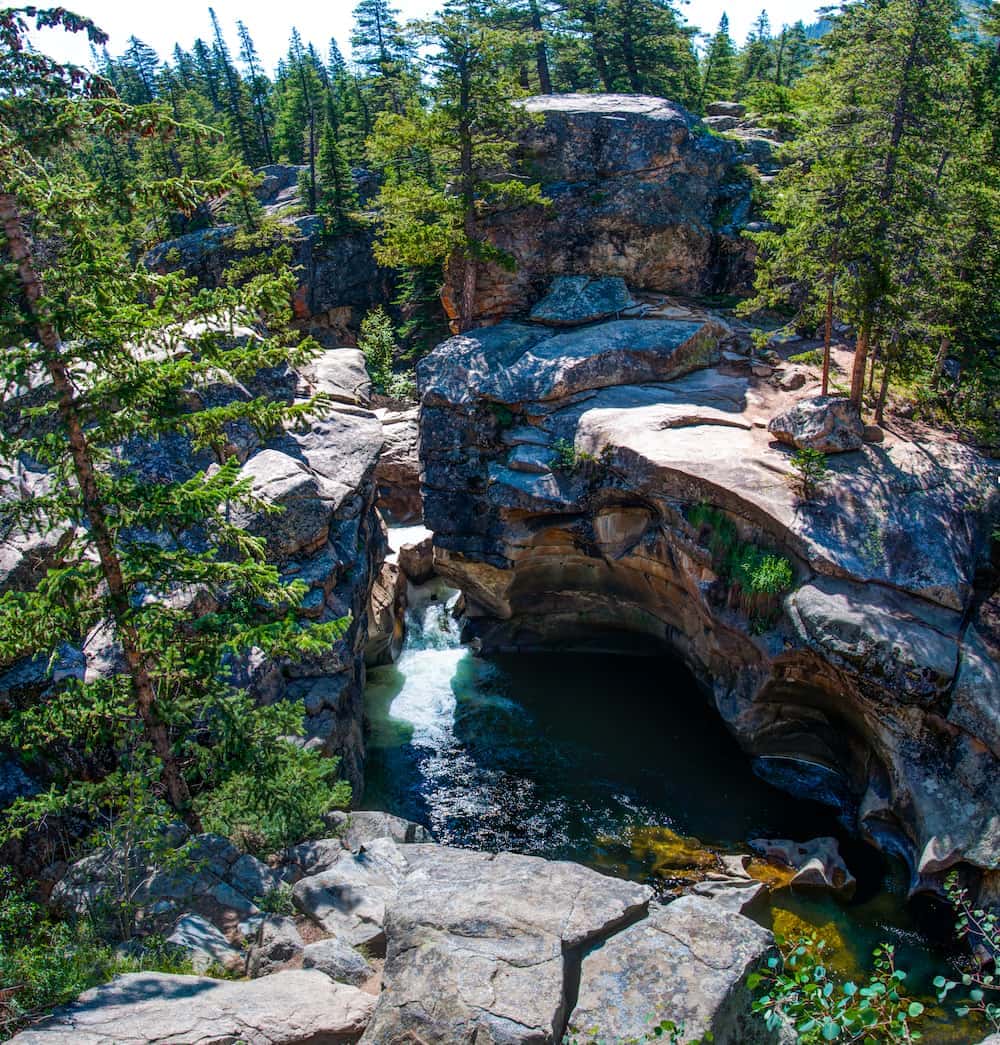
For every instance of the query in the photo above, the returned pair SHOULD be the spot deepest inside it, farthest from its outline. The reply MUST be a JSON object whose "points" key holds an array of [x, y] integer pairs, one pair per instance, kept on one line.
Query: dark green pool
{"points": [[566, 755]]}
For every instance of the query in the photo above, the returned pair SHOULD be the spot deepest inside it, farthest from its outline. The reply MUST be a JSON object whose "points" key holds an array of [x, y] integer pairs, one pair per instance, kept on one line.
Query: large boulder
{"points": [[338, 960], [204, 945], [829, 424], [687, 962], [398, 469], [276, 942], [480, 945], [634, 191], [349, 899], [289, 1008]]}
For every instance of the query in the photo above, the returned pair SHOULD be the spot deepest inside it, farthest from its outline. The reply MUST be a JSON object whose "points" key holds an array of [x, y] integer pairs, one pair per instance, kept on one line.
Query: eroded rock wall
{"points": [[559, 471]]}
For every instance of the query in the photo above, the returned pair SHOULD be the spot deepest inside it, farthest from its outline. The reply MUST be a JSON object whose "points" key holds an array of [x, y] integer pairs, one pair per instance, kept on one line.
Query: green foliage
{"points": [[45, 963], [277, 901], [811, 357], [377, 341], [754, 578], [809, 472], [799, 989], [566, 458], [981, 929], [276, 802]]}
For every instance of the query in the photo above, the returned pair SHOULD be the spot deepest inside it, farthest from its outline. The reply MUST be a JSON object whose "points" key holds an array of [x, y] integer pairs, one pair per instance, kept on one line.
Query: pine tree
{"points": [[235, 98], [450, 164], [337, 197], [757, 57], [859, 206], [383, 54], [154, 560], [259, 91], [719, 70]]}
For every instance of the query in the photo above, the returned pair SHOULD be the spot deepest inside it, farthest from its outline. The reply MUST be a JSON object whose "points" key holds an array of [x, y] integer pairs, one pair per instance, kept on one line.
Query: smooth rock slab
{"points": [[204, 944], [687, 962], [477, 945], [140, 1008]]}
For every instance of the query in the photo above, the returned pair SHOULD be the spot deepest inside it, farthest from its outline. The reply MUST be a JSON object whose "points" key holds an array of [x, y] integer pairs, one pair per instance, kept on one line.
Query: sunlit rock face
{"points": [[637, 188], [560, 470]]}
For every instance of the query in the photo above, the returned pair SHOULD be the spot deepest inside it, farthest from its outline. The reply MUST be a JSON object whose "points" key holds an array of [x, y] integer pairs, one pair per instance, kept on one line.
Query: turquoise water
{"points": [[572, 755]]}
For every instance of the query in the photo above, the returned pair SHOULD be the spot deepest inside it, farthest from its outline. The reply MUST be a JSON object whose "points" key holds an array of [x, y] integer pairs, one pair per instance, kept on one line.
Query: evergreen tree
{"points": [[236, 103], [259, 89], [757, 57], [204, 62], [383, 54], [138, 69], [447, 165], [337, 198], [860, 205], [719, 67], [154, 560]]}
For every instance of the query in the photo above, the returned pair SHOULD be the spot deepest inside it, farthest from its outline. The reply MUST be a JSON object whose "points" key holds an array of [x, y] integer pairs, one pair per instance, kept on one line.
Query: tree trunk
{"points": [[467, 305], [541, 52], [83, 465], [828, 329], [876, 354], [860, 363], [942, 357], [883, 393]]}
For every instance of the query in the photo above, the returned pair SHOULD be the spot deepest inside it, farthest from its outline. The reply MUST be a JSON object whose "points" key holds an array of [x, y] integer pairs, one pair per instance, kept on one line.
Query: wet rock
{"points": [[416, 561], [817, 863], [386, 613], [349, 899], [829, 424], [687, 962], [575, 300], [285, 1009], [485, 936], [204, 945], [276, 943], [733, 888], [338, 960]]}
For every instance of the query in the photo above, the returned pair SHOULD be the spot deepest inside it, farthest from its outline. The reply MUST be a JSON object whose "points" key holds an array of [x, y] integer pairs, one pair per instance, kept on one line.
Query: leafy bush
{"points": [[980, 928], [810, 471], [754, 577], [798, 988], [277, 901], [45, 963], [377, 341], [566, 459]]}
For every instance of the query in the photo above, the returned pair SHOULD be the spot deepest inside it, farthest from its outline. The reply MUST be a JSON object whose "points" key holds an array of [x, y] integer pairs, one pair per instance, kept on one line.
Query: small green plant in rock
{"points": [[277, 901], [809, 472], [797, 988], [982, 930], [811, 357], [377, 341], [567, 459]]}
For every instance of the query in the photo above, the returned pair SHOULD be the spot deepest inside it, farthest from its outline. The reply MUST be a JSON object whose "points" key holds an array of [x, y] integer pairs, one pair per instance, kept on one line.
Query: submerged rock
{"points": [[687, 962], [817, 863], [285, 1009]]}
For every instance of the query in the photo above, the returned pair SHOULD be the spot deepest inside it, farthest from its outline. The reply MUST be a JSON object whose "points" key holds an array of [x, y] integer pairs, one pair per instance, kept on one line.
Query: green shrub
{"points": [[754, 578], [377, 341], [809, 472], [566, 459], [45, 963], [265, 808], [811, 357], [277, 901]]}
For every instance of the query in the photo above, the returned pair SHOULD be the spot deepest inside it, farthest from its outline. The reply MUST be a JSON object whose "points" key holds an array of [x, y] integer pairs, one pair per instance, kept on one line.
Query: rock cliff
{"points": [[560, 471], [638, 188]]}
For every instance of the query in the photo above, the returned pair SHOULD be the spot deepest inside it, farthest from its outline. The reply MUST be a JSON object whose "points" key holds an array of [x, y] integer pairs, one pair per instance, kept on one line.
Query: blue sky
{"points": [[162, 23]]}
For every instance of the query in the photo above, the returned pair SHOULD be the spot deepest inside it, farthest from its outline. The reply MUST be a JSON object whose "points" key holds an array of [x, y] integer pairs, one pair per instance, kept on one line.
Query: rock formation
{"points": [[560, 470], [637, 190]]}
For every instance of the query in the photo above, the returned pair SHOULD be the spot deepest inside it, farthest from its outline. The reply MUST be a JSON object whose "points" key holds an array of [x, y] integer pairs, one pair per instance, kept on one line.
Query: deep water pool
{"points": [[616, 762]]}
